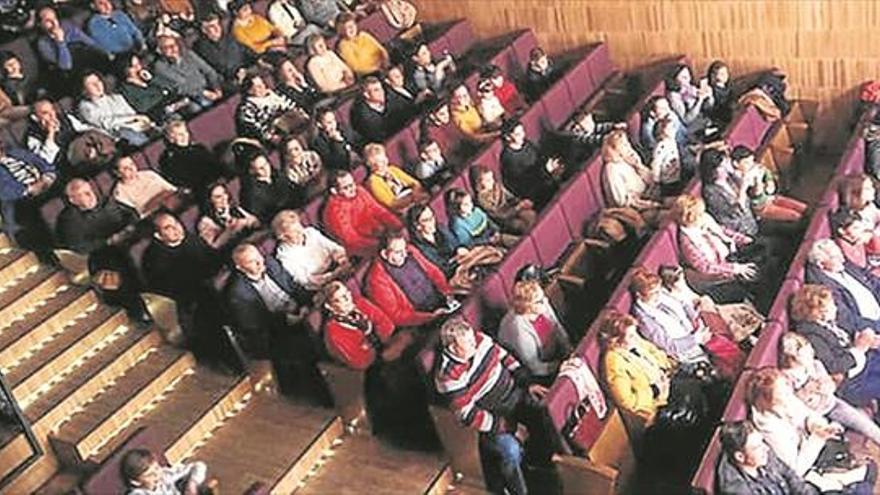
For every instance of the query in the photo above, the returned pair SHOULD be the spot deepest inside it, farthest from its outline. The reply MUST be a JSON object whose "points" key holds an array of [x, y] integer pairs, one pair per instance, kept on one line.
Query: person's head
{"points": [[218, 196], [856, 191], [212, 26], [645, 285], [459, 202], [680, 77], [373, 91], [458, 338], [713, 167], [48, 19], [168, 229], [288, 227], [849, 226], [249, 260], [254, 85], [376, 158], [422, 55], [259, 167], [338, 299], [421, 220], [440, 114], [429, 150], [140, 468], [743, 158], [10, 64], [493, 73], [325, 119], [169, 46], [688, 210], [242, 10], [45, 112], [346, 25], [514, 134], [528, 297], [658, 107], [767, 389], [744, 445], [826, 256], [616, 147], [485, 89], [293, 150], [664, 129], [618, 329], [538, 58], [132, 67], [342, 184], [93, 85], [482, 178], [671, 276], [461, 97], [585, 122], [795, 350], [813, 303], [394, 76], [287, 72], [394, 248], [126, 169], [316, 45], [177, 133], [81, 194], [102, 7], [718, 73]]}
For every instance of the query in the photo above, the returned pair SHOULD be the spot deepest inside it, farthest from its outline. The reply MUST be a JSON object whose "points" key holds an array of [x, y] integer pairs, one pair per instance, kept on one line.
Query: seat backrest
{"points": [[550, 235], [703, 482], [737, 409], [402, 148], [779, 310], [579, 81], [557, 104], [820, 227], [522, 45], [378, 26], [600, 65], [593, 170], [578, 204], [523, 254], [531, 121], [766, 350], [460, 38], [661, 249]]}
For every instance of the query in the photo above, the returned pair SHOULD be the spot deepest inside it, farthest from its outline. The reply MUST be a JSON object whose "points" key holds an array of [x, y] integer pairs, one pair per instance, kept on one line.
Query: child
{"points": [[470, 225], [665, 160], [539, 73], [505, 90], [431, 168], [515, 215], [490, 107], [144, 476], [763, 191]]}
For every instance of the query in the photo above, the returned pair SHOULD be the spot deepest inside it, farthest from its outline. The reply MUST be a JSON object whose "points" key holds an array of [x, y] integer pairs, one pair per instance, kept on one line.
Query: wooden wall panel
{"points": [[825, 46]]}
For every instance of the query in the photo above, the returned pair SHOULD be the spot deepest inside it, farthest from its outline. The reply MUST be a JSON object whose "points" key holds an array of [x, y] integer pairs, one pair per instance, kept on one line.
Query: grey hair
{"points": [[454, 328], [820, 250]]}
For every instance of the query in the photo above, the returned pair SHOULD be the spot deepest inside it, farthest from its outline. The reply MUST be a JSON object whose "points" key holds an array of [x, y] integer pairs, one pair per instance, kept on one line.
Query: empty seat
{"points": [[522, 45], [557, 105], [551, 235], [593, 171], [600, 65], [460, 37], [578, 203]]}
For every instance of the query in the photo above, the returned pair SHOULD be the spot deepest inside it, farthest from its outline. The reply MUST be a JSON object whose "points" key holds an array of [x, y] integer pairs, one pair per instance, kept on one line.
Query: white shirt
{"points": [[314, 257], [665, 162], [865, 299], [286, 18], [623, 183]]}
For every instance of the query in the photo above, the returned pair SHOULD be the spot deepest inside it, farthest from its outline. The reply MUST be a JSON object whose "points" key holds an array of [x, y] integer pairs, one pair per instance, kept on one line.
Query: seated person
{"points": [[332, 142], [221, 50], [304, 169], [687, 100], [723, 99], [153, 96], [186, 163], [322, 13], [411, 290], [253, 30], [392, 187], [98, 229], [748, 465], [816, 388], [144, 476], [626, 181], [432, 167], [466, 117], [67, 51], [856, 291], [514, 215], [858, 194], [395, 82], [325, 68], [113, 30], [144, 190], [354, 217], [430, 75], [358, 48], [470, 225], [540, 73], [725, 201], [439, 127], [50, 133], [290, 82], [658, 109], [489, 391], [266, 115], [847, 353], [533, 332], [677, 329], [400, 14], [309, 256], [265, 191], [505, 90], [852, 236], [223, 219], [25, 181], [111, 113], [762, 189], [377, 114], [666, 166], [177, 15], [489, 106], [191, 75], [21, 88], [524, 170], [583, 135], [289, 23]]}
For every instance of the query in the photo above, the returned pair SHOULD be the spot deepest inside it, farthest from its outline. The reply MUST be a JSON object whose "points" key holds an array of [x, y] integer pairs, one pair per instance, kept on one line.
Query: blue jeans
{"points": [[501, 458]]}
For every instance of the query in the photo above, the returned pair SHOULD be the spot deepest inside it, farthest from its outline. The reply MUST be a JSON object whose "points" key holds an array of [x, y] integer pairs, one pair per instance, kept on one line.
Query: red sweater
{"points": [[509, 97], [380, 287], [358, 223], [348, 345]]}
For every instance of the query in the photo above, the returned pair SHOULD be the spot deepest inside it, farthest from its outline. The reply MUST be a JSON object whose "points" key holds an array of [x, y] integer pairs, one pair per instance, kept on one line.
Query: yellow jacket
{"points": [[629, 383], [256, 34], [467, 120], [363, 53], [381, 189]]}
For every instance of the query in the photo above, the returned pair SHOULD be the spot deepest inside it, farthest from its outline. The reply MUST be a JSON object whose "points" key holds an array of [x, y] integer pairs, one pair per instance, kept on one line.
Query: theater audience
{"points": [[192, 76], [265, 190], [489, 391], [540, 73], [113, 30], [25, 181], [50, 133], [687, 100], [431, 169], [144, 476], [186, 163], [583, 136], [852, 236], [533, 333], [266, 115], [858, 194], [144, 190], [21, 88], [325, 68], [67, 51], [153, 96], [762, 189], [439, 127], [111, 113], [253, 30], [429, 74], [290, 82], [489, 106], [389, 184], [411, 290], [400, 14], [470, 225], [304, 168], [395, 82], [720, 110], [855, 289], [222, 51], [354, 217], [626, 181], [848, 353], [322, 13], [666, 164], [377, 114], [513, 214], [466, 117], [223, 220], [725, 201], [524, 169], [333, 142], [289, 23], [816, 388], [358, 48], [749, 466], [309, 256]]}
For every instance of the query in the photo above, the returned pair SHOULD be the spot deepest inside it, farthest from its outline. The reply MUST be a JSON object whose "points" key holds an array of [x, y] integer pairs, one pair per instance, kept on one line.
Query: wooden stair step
{"points": [[380, 469], [247, 448], [37, 371], [118, 404], [14, 263], [28, 291], [190, 412], [55, 315], [15, 451]]}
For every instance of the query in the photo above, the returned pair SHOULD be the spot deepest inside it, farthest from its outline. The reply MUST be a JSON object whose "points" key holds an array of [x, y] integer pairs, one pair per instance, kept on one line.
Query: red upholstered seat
{"points": [[460, 38], [402, 148], [819, 227], [523, 254], [703, 482], [531, 121], [522, 45], [376, 24], [766, 351], [551, 235], [737, 409], [579, 81], [779, 310], [600, 65], [578, 203], [593, 171], [557, 105]]}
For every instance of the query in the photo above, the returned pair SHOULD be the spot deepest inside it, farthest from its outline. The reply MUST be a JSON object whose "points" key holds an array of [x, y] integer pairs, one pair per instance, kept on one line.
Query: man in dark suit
{"points": [[378, 114], [854, 289]]}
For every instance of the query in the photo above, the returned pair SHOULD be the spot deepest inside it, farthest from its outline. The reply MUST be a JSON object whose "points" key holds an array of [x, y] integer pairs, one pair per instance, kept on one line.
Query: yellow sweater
{"points": [[629, 381], [255, 34], [382, 189], [467, 119], [363, 53]]}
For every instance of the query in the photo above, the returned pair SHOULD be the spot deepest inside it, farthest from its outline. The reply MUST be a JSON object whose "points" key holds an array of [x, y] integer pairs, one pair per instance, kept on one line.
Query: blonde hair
{"points": [[810, 302], [790, 345], [688, 209], [524, 293], [760, 388], [453, 329], [616, 147], [373, 149], [281, 221]]}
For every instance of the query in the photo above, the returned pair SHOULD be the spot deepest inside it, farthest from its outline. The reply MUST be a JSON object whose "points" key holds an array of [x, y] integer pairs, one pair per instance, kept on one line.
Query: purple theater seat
{"points": [[376, 24], [766, 349], [471, 81], [737, 409], [490, 157], [593, 171], [578, 204], [757, 125], [560, 401], [853, 158], [343, 112], [152, 152], [216, 124], [779, 310], [506, 61], [830, 199], [440, 46], [703, 481], [108, 478], [523, 254], [137, 252], [579, 82], [190, 217], [522, 45], [550, 235], [105, 182], [739, 132], [589, 349], [621, 299], [661, 249], [438, 205], [601, 66], [460, 37], [472, 312], [798, 263], [360, 174], [492, 295], [49, 212], [557, 105], [402, 148], [819, 227], [531, 121], [312, 211]]}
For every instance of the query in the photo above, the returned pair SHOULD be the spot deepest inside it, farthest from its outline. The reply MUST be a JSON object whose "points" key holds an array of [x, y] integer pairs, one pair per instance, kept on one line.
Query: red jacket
{"points": [[358, 223], [348, 345], [383, 291]]}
